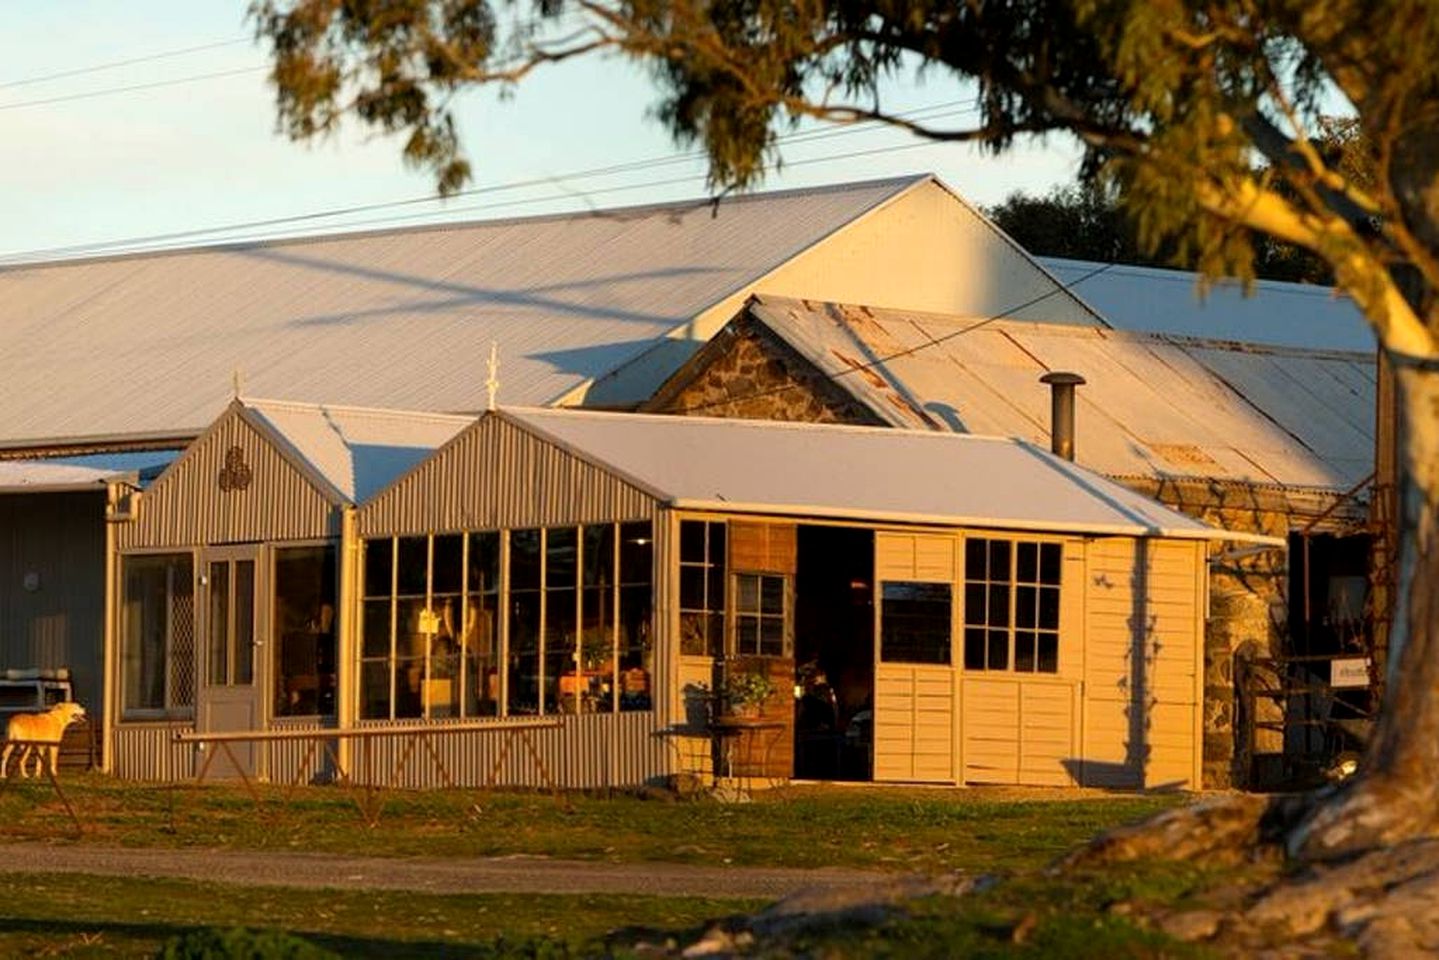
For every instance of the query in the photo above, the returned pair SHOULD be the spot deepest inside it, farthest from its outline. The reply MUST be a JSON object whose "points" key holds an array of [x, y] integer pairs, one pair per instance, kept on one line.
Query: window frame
{"points": [[709, 568], [546, 705], [170, 710], [785, 616], [1012, 586]]}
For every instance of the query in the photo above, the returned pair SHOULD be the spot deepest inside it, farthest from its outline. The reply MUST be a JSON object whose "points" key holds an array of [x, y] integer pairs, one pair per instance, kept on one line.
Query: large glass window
{"points": [[760, 614], [636, 577], [915, 622], [157, 633], [304, 631], [599, 623], [1011, 605], [579, 605], [562, 678], [482, 625], [376, 628], [526, 598], [702, 587]]}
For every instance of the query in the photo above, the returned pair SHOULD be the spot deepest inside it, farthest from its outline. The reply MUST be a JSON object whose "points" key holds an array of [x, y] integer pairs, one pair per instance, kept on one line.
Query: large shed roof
{"points": [[149, 345], [357, 451], [1154, 406], [874, 473], [1169, 301]]}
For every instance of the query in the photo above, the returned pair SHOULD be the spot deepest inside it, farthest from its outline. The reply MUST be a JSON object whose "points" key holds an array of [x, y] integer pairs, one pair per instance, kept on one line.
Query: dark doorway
{"points": [[834, 654]]}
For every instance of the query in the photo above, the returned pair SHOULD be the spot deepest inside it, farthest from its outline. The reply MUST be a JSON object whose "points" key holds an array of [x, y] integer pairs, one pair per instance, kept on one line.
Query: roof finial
{"points": [[492, 385], [235, 382]]}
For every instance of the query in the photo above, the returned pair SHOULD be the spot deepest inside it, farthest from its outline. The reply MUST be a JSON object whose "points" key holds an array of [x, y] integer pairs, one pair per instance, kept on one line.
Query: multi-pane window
{"points": [[1011, 605], [702, 587], [916, 624], [157, 633], [759, 614], [636, 608], [575, 635]]}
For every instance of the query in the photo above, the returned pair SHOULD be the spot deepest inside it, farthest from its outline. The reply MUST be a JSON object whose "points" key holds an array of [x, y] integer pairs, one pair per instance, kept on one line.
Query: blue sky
{"points": [[205, 153]]}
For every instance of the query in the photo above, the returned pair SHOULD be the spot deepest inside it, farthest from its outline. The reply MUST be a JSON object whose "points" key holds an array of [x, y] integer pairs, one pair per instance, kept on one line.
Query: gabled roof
{"points": [[875, 473], [149, 344], [356, 451], [1154, 300], [1154, 406]]}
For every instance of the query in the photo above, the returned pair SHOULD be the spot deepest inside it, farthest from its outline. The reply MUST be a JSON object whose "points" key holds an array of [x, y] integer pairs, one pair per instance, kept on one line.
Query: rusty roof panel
{"points": [[1153, 406]]}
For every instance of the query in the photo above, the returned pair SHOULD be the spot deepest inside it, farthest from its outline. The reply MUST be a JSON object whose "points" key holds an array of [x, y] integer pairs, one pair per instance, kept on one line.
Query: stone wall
{"points": [[747, 372], [1248, 602]]}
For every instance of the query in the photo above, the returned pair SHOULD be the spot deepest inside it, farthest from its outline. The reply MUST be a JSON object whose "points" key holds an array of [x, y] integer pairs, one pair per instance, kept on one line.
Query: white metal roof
{"points": [[1153, 406], [1169, 301], [45, 476], [875, 473], [357, 450], [148, 345]]}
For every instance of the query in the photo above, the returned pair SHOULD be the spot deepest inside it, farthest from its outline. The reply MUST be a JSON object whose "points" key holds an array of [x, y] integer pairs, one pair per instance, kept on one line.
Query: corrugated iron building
{"points": [[1035, 624]]}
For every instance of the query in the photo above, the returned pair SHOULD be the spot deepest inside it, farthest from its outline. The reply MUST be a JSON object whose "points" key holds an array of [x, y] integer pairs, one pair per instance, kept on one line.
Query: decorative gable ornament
{"points": [[235, 474]]}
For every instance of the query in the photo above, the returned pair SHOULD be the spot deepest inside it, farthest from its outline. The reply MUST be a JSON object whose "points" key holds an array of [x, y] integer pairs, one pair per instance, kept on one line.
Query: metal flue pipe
{"points": [[1061, 411]]}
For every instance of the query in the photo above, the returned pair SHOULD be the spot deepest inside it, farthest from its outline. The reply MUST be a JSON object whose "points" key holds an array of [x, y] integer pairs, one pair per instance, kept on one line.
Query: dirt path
{"points": [[478, 875]]}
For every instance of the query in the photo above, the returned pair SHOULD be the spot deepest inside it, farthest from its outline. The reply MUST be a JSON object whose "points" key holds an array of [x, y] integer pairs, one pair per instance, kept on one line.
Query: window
{"points": [[157, 642], [304, 631], [702, 588], [1011, 605], [526, 595], [636, 608], [760, 604], [579, 606], [915, 622], [482, 625]]}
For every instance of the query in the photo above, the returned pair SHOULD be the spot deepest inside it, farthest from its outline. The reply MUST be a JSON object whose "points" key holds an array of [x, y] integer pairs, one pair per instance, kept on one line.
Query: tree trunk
{"points": [[1395, 797]]}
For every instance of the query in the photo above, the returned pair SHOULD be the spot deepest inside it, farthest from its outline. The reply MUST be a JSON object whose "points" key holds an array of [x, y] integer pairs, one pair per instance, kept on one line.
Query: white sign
{"points": [[1353, 672]]}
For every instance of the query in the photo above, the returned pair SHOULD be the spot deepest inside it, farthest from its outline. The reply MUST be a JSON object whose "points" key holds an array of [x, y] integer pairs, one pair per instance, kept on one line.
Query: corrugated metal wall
{"points": [[146, 751], [585, 752], [187, 505], [496, 475], [60, 538]]}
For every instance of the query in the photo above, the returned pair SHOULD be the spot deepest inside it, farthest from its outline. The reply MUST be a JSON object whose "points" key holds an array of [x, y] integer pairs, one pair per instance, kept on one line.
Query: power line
{"points": [[910, 351], [116, 64], [133, 88], [158, 241]]}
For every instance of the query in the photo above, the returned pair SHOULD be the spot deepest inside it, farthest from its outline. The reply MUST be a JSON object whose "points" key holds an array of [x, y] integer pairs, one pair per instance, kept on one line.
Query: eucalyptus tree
{"points": [[1205, 114]]}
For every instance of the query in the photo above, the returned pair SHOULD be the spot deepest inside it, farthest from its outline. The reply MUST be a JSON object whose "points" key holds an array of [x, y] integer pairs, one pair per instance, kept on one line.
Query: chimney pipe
{"points": [[1061, 411]]}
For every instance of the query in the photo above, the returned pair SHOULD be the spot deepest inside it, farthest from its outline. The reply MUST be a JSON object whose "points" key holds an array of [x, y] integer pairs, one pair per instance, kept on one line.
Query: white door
{"points": [[230, 688]]}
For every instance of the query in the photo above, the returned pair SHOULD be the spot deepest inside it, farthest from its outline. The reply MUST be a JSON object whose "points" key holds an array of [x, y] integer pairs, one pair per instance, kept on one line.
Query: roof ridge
{"points": [[259, 403], [340, 235]]}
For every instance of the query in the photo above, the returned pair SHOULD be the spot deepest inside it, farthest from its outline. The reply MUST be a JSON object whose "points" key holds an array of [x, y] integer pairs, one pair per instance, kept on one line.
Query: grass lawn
{"points": [[910, 829], [81, 916], [1030, 915]]}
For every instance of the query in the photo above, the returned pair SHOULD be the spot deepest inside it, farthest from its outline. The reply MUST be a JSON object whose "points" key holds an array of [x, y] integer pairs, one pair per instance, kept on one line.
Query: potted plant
{"points": [[744, 693]]}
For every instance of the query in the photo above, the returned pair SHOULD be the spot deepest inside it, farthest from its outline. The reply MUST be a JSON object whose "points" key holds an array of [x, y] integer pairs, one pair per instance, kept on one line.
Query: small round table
{"points": [[732, 732]]}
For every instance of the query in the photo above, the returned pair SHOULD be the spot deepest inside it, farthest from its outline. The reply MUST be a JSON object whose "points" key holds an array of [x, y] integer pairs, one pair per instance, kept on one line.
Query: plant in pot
{"points": [[744, 693]]}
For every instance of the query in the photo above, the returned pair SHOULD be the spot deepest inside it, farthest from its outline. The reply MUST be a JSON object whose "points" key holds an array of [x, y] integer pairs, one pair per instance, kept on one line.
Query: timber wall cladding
{"points": [[914, 704], [1024, 728], [1142, 710], [230, 486]]}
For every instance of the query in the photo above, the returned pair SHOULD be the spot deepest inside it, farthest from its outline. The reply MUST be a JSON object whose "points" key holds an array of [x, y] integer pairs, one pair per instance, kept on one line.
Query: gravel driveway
{"points": [[477, 875]]}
